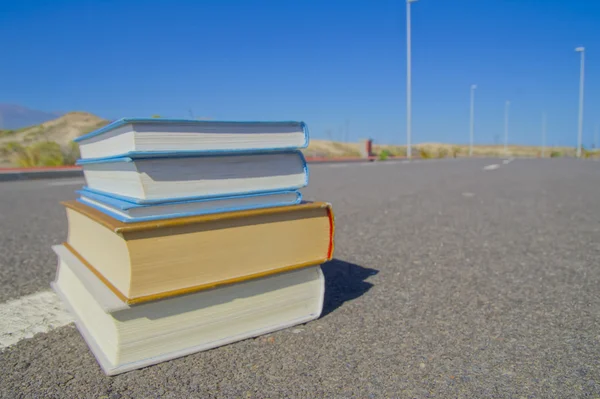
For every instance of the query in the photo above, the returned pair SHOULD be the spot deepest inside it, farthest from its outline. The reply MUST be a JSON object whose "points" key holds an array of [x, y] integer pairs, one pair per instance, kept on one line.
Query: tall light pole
{"points": [[473, 87], [580, 127], [408, 82], [506, 106], [543, 134]]}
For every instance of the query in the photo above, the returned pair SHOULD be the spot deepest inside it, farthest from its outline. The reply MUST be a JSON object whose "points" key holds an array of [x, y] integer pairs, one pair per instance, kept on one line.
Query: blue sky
{"points": [[329, 63]]}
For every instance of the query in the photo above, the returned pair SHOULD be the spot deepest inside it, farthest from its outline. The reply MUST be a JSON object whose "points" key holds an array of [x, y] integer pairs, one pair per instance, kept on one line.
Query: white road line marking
{"points": [[337, 165], [66, 182], [24, 317], [491, 167], [389, 163], [507, 161]]}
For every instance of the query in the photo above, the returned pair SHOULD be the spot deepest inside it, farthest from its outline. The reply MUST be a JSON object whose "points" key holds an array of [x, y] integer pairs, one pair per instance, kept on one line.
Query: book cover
{"points": [[143, 261]]}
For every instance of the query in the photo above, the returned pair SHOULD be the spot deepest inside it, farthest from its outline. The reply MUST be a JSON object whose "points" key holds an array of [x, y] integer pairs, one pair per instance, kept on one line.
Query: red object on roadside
{"points": [[369, 147]]}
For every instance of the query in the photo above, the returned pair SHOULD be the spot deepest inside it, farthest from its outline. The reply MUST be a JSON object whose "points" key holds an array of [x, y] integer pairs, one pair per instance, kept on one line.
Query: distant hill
{"points": [[59, 131], [14, 116]]}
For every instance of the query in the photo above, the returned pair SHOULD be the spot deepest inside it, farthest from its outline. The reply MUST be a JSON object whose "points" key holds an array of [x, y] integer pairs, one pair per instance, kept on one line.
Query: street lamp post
{"points": [[507, 105], [408, 82], [473, 87], [580, 124], [543, 134]]}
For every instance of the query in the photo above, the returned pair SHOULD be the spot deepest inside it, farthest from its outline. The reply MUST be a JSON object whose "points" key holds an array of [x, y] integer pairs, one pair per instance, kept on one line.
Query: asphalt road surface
{"points": [[452, 279]]}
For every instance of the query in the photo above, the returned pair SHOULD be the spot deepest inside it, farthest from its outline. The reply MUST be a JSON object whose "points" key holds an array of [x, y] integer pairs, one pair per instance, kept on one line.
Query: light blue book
{"points": [[176, 178], [129, 212], [133, 137]]}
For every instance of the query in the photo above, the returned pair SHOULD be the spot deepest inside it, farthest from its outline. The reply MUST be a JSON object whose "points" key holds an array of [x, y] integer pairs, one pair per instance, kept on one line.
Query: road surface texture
{"points": [[451, 279]]}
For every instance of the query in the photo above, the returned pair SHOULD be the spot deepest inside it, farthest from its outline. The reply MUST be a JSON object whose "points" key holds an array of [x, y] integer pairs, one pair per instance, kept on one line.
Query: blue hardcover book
{"points": [[177, 178], [129, 212], [133, 137]]}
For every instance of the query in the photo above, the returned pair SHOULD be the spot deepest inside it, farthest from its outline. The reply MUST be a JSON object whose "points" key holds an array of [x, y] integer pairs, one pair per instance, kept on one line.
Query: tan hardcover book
{"points": [[146, 261]]}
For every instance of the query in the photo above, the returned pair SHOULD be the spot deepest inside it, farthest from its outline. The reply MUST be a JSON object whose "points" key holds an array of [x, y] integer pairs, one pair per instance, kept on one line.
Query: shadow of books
{"points": [[344, 281]]}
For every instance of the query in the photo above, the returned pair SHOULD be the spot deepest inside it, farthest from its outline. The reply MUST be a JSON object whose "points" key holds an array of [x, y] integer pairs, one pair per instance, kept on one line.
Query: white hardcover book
{"points": [[126, 337], [132, 136], [148, 180]]}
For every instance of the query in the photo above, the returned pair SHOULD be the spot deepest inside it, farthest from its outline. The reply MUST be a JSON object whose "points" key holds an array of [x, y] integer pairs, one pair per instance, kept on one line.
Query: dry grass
{"points": [[41, 153], [444, 150], [330, 149]]}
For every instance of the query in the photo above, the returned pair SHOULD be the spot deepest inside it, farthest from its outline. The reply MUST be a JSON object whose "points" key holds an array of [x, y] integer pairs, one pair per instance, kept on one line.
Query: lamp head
{"points": [[580, 49], [473, 86]]}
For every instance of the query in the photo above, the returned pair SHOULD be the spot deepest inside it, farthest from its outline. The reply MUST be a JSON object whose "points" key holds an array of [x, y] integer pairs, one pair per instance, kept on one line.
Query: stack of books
{"points": [[189, 235]]}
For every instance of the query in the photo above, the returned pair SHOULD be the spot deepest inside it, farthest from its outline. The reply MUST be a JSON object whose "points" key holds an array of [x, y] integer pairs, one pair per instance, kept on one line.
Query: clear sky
{"points": [[329, 63]]}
